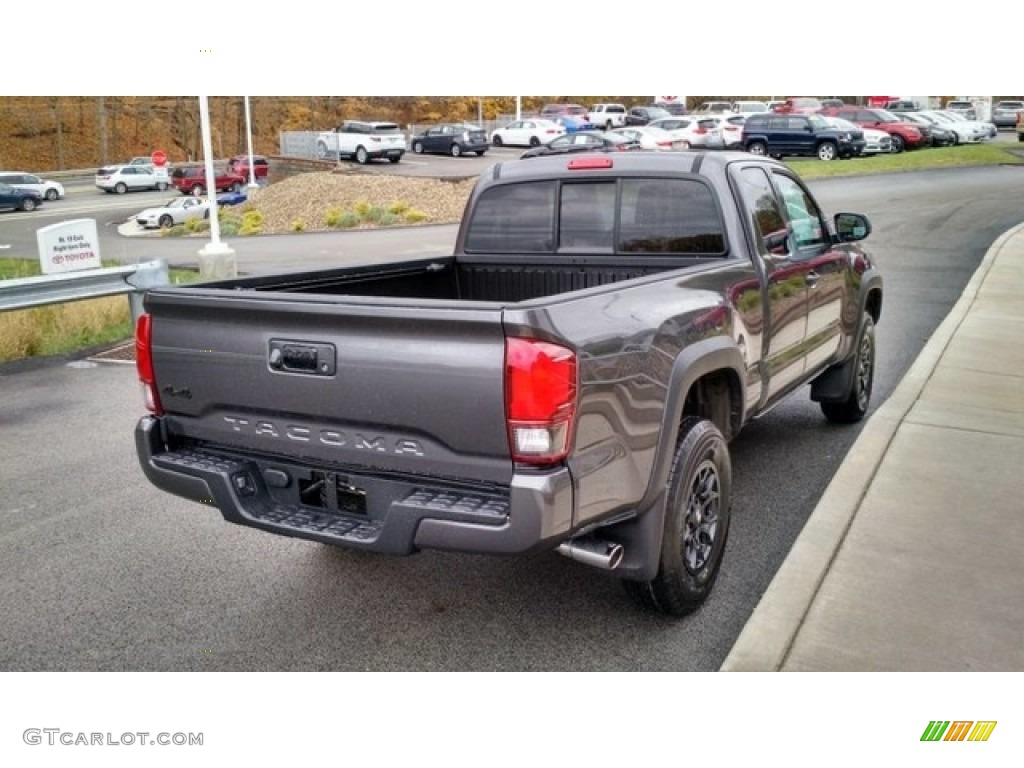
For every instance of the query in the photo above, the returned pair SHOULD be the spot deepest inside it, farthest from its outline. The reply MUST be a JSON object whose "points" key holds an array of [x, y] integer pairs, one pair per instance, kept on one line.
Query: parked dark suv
{"points": [[780, 135]]}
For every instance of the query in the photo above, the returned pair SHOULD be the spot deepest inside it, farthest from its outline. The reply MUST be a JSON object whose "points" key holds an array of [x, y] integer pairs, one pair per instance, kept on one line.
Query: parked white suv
{"points": [[364, 141], [607, 116], [50, 190], [125, 178]]}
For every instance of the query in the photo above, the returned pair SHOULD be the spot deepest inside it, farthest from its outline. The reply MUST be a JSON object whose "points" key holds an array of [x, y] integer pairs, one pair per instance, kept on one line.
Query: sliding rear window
{"points": [[633, 215]]}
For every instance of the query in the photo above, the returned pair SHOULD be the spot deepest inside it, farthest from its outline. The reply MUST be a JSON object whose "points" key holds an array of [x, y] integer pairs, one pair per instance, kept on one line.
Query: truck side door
{"points": [[784, 294], [825, 273]]}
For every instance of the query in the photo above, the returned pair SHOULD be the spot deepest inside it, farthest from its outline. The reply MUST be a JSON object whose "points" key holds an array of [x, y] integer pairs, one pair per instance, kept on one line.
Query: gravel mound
{"points": [[308, 197]]}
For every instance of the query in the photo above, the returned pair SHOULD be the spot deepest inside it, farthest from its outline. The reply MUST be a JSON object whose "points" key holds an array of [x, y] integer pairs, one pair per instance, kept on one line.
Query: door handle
{"points": [[812, 279]]}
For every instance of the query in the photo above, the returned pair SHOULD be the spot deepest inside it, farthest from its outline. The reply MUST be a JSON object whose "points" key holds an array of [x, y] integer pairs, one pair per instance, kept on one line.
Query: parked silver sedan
{"points": [[177, 210]]}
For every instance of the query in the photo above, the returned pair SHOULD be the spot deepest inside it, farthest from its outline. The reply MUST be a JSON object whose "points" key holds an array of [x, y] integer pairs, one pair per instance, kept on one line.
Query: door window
{"points": [[763, 211], [802, 212]]}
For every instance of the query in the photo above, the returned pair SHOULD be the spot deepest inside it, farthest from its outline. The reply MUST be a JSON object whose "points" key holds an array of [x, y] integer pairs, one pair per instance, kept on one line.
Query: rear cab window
{"points": [[659, 216]]}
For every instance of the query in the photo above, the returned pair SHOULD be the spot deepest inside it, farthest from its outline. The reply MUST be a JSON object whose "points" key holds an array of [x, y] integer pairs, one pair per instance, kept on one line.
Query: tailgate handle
{"points": [[314, 359]]}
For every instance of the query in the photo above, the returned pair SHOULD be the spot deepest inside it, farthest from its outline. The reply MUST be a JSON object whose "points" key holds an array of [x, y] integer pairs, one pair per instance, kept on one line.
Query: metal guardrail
{"points": [[133, 280]]}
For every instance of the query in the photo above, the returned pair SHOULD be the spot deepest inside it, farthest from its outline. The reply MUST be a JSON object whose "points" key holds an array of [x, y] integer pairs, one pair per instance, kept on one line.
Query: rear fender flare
{"points": [[641, 537]]}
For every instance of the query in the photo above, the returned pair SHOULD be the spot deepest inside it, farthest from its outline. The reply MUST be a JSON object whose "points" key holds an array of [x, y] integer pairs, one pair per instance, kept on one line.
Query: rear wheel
{"points": [[236, 187], [497, 140], [417, 147], [855, 406], [28, 204], [161, 186], [394, 158], [456, 150], [166, 222], [827, 151], [480, 152], [697, 513], [534, 141], [362, 156], [197, 190], [120, 188], [321, 150], [757, 148]]}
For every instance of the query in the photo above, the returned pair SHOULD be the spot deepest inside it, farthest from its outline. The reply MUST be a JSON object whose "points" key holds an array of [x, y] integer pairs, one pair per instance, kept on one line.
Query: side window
{"points": [[802, 212], [761, 206], [796, 124], [514, 218]]}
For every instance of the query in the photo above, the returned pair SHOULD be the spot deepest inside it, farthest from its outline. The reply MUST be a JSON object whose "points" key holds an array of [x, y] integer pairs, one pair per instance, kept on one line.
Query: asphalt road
{"points": [[103, 572]]}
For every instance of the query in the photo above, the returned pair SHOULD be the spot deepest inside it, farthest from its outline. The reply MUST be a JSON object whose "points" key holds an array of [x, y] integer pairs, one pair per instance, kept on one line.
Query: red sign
{"points": [[159, 158]]}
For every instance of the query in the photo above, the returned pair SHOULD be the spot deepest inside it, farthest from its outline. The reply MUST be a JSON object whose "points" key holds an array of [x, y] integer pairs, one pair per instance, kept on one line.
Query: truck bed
{"points": [[490, 279]]}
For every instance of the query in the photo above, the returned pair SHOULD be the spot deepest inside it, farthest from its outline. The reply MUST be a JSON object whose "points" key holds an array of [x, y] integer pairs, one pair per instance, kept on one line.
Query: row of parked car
{"points": [[827, 129], [27, 191], [139, 173]]}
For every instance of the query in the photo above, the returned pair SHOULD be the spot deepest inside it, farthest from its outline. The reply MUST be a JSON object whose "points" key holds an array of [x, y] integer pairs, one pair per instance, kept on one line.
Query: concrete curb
{"points": [[769, 633]]}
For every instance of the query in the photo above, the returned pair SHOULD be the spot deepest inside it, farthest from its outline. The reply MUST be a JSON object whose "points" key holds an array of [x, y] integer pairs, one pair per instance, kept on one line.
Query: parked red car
{"points": [[191, 180], [240, 164], [904, 135], [799, 105]]}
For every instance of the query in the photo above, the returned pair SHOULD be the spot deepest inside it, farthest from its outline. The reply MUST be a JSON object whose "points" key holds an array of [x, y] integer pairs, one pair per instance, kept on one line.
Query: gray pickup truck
{"points": [[569, 379]]}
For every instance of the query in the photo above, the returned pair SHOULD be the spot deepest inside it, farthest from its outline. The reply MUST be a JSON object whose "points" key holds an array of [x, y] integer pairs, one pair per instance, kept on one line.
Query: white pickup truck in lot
{"points": [[365, 141], [607, 116]]}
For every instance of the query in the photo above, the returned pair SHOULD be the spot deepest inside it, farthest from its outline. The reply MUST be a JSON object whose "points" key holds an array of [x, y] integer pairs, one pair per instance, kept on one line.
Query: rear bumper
{"points": [[372, 512]]}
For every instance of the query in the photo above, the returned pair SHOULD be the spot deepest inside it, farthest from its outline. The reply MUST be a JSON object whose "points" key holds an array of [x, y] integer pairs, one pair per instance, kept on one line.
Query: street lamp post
{"points": [[519, 107], [248, 135], [216, 259]]}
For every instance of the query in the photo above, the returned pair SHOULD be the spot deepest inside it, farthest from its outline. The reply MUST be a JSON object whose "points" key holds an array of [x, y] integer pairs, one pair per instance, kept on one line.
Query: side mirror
{"points": [[851, 227]]}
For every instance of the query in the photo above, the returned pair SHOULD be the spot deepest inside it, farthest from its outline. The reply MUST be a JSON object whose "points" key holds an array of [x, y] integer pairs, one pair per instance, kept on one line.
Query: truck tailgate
{"points": [[366, 384]]}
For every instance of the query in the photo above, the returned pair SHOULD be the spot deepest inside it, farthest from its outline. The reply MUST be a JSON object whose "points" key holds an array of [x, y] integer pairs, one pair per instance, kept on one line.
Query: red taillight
{"points": [[664, 143], [701, 130], [540, 397], [586, 163], [551, 130], [144, 363]]}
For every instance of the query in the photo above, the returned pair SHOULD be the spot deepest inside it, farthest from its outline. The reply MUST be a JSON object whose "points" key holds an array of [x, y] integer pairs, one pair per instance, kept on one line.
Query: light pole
{"points": [[216, 259], [248, 135], [519, 107]]}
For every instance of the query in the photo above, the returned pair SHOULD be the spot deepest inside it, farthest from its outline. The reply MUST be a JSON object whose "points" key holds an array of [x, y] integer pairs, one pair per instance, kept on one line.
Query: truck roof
{"points": [[618, 164]]}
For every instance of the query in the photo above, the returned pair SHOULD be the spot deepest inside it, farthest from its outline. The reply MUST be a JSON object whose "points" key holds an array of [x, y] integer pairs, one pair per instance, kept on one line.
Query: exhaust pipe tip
{"points": [[594, 552]]}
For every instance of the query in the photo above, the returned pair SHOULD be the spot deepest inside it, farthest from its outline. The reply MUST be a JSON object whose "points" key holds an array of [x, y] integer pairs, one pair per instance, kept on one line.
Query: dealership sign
{"points": [[68, 246]]}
